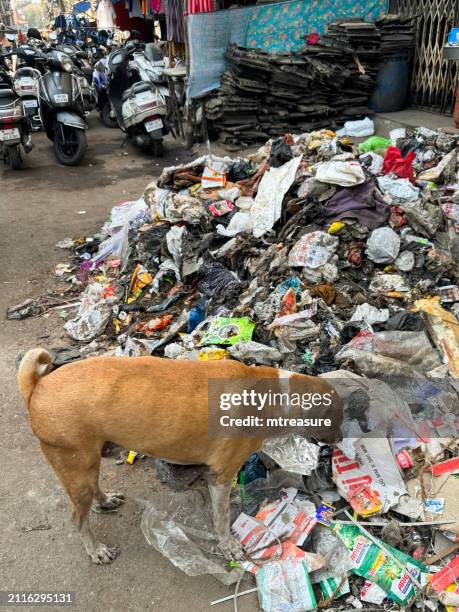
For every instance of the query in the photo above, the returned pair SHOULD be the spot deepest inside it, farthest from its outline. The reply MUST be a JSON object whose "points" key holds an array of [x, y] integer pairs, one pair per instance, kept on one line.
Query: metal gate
{"points": [[434, 79]]}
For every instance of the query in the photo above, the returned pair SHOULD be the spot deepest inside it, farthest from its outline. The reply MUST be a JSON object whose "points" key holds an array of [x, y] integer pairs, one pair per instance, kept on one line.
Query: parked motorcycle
{"points": [[14, 129], [140, 107], [62, 109]]}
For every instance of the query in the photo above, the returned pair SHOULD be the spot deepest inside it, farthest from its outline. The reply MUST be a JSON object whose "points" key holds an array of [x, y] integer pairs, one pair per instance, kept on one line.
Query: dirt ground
{"points": [[40, 551]]}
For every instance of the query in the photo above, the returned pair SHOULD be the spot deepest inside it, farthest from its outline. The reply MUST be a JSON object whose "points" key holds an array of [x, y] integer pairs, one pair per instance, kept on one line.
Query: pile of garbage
{"points": [[265, 94], [318, 256]]}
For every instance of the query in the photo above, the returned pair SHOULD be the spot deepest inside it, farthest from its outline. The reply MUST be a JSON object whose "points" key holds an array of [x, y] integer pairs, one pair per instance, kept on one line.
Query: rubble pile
{"points": [[322, 257], [264, 95]]}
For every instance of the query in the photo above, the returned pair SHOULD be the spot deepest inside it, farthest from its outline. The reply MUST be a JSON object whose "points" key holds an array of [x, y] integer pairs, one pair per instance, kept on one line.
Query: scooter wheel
{"points": [[70, 145], [106, 118], [157, 148], [14, 159]]}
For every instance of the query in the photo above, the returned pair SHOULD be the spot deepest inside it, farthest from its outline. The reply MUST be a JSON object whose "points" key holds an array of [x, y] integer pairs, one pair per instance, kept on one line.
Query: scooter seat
{"points": [[135, 89], [125, 95], [7, 93]]}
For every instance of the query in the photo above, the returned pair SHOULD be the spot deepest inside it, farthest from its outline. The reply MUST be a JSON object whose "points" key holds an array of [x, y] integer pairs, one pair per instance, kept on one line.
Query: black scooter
{"points": [[14, 128], [62, 109]]}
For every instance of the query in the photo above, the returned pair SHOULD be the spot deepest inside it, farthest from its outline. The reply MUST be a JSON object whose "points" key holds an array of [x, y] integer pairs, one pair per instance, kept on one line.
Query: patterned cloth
{"points": [[278, 27]]}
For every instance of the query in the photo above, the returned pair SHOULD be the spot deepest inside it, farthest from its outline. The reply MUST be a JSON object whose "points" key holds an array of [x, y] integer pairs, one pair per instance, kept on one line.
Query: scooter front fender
{"points": [[71, 119]]}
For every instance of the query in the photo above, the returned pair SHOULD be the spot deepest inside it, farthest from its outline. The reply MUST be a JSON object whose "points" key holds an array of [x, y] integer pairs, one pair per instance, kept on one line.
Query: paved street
{"points": [[40, 550]]}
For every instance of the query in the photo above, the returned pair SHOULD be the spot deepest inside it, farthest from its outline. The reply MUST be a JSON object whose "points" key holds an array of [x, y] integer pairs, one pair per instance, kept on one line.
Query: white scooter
{"points": [[140, 107], [25, 83]]}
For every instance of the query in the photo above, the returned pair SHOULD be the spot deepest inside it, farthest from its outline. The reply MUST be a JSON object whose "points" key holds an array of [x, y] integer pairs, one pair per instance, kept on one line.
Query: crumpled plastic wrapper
{"points": [[93, 314], [179, 525], [293, 453]]}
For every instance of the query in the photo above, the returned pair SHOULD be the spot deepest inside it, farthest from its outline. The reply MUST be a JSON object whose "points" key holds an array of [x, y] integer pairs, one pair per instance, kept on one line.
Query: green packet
{"points": [[328, 586], [225, 330], [370, 562]]}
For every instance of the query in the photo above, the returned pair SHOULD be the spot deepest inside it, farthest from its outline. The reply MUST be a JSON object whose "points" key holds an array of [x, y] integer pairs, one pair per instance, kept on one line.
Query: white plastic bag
{"points": [[344, 173], [383, 245], [174, 239], [240, 222], [376, 164], [313, 250], [93, 314], [358, 129]]}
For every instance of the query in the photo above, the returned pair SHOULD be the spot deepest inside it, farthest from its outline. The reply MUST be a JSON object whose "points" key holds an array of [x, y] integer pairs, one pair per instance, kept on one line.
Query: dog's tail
{"points": [[35, 364]]}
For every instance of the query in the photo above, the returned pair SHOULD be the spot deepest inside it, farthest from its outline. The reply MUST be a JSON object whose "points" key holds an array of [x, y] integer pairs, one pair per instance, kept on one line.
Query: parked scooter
{"points": [[139, 106], [100, 84], [26, 79], [83, 71], [14, 129], [62, 109]]}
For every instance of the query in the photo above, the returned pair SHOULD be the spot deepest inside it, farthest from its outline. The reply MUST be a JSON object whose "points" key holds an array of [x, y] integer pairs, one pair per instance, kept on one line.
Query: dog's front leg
{"points": [[220, 496]]}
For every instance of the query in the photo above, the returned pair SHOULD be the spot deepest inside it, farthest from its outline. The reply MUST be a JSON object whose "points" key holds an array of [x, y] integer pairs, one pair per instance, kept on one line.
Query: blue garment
{"points": [[60, 22]]}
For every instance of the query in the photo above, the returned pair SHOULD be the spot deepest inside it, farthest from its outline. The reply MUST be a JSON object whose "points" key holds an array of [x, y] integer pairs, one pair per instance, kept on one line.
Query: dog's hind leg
{"points": [[220, 496], [78, 471]]}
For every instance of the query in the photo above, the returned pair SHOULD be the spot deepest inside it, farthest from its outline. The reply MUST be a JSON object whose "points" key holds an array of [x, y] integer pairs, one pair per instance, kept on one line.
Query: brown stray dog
{"points": [[156, 406]]}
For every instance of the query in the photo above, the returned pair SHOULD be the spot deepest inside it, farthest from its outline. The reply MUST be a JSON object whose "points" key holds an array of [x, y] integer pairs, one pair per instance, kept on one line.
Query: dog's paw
{"points": [[110, 503], [231, 548], [103, 554]]}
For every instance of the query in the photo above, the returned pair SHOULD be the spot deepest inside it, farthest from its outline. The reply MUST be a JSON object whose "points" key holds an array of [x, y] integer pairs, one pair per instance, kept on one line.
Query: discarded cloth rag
{"points": [[362, 202]]}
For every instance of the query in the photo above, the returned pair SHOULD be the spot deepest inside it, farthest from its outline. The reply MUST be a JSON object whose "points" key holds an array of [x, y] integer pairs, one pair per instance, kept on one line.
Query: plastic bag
{"points": [[358, 129], [391, 353], [313, 250], [285, 586], [293, 453], [133, 213], [374, 143], [179, 526], [240, 222], [93, 314], [383, 245], [370, 314], [273, 186], [400, 190], [373, 162], [254, 352], [174, 239], [344, 173]]}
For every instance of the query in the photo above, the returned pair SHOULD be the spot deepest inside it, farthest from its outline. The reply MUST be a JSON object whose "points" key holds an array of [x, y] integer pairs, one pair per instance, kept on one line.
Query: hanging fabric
{"points": [[200, 6], [175, 20], [105, 15]]}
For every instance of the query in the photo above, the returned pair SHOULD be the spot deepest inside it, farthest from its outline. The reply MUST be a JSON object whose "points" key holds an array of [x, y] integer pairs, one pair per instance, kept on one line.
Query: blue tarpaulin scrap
{"points": [[81, 7], [279, 27]]}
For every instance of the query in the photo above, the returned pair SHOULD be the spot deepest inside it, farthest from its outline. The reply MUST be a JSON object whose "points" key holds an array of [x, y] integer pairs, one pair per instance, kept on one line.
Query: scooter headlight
{"points": [[67, 64]]}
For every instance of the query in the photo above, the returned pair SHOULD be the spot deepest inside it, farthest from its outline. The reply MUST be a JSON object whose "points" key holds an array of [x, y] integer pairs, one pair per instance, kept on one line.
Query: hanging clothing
{"points": [[105, 15], [60, 22], [156, 6], [200, 6], [174, 20]]}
